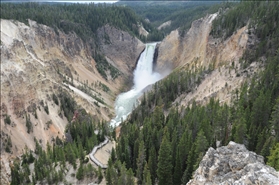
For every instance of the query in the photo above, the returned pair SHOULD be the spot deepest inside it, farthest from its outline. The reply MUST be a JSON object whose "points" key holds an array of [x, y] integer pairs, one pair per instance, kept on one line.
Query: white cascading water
{"points": [[143, 76]]}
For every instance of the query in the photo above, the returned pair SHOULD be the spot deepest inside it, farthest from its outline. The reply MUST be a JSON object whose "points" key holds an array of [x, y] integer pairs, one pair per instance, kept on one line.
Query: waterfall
{"points": [[143, 76]]}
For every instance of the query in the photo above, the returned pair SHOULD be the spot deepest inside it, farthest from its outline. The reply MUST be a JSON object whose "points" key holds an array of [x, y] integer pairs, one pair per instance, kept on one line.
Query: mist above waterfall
{"points": [[143, 76]]}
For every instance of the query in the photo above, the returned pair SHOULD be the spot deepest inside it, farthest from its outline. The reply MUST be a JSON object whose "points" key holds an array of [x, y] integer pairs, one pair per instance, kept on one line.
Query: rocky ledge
{"points": [[233, 164]]}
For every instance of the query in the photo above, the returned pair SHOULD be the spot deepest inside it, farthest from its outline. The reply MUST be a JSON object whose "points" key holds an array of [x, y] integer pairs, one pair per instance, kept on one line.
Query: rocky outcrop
{"points": [[233, 164], [120, 48]]}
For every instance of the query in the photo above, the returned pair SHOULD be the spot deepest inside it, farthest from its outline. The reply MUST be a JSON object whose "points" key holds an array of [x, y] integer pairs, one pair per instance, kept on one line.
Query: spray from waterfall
{"points": [[143, 76]]}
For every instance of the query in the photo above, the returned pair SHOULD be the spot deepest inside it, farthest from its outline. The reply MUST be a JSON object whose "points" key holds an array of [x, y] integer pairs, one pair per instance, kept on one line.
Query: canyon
{"points": [[38, 62]]}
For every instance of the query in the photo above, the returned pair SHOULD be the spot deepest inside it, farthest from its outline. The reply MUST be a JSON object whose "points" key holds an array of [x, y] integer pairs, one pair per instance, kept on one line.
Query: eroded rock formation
{"points": [[120, 48], [197, 49], [233, 164], [36, 62]]}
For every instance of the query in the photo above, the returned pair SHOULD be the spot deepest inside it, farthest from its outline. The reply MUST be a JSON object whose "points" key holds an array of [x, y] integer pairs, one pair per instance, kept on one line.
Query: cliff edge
{"points": [[233, 164]]}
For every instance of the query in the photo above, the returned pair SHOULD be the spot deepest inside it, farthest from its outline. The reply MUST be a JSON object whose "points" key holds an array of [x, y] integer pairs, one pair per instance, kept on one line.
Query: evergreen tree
{"points": [[80, 172], [16, 179], [109, 173], [113, 157], [130, 177], [152, 164], [100, 175], [164, 170], [140, 162], [275, 118], [177, 175], [273, 159], [146, 176], [240, 131]]}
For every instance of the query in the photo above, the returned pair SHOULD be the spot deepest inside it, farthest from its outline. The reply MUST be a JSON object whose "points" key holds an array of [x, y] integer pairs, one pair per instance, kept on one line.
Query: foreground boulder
{"points": [[233, 164]]}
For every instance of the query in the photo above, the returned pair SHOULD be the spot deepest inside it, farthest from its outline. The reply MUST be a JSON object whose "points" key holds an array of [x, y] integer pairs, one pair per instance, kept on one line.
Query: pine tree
{"points": [[273, 159], [80, 172], [152, 164], [140, 162], [275, 118], [130, 177], [240, 131], [164, 170], [113, 157], [201, 145], [15, 174], [177, 175], [146, 176], [100, 175]]}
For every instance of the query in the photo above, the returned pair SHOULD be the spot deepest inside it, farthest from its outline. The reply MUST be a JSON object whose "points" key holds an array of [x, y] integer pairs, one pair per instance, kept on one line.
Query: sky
{"points": [[67, 1], [64, 1]]}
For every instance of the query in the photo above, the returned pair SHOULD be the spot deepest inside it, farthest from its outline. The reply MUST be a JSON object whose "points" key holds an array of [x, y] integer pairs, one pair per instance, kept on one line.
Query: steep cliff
{"points": [[233, 164], [120, 48], [39, 63], [198, 49]]}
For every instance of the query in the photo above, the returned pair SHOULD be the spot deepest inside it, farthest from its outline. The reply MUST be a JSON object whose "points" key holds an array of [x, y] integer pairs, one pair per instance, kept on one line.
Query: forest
{"points": [[167, 148], [181, 14], [163, 143]]}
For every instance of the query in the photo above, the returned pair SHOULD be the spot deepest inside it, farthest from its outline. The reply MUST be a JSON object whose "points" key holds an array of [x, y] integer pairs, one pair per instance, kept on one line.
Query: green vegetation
{"points": [[7, 119], [273, 159], [104, 87], [46, 108], [102, 66], [29, 125], [260, 15], [158, 128], [51, 165], [8, 143], [181, 14], [87, 90], [117, 174], [163, 142], [55, 99], [83, 19], [67, 105]]}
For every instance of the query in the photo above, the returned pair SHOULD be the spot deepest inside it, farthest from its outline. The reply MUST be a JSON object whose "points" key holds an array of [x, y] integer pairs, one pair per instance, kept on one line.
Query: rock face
{"points": [[197, 49], [120, 48], [36, 61], [233, 164], [164, 25]]}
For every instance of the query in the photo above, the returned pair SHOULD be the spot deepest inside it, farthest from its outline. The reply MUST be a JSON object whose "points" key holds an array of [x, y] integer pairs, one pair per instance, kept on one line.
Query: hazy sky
{"points": [[67, 1], [64, 1]]}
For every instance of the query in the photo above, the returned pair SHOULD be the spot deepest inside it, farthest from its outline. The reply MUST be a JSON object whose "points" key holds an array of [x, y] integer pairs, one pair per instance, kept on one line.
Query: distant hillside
{"points": [[181, 14], [83, 19]]}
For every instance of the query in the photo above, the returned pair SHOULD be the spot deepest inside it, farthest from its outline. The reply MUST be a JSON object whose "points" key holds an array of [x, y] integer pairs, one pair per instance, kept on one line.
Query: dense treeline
{"points": [[166, 145], [261, 15], [84, 20], [181, 14], [51, 165]]}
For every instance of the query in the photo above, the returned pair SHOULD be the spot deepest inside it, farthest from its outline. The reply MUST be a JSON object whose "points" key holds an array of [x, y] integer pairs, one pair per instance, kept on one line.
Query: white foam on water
{"points": [[143, 76]]}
